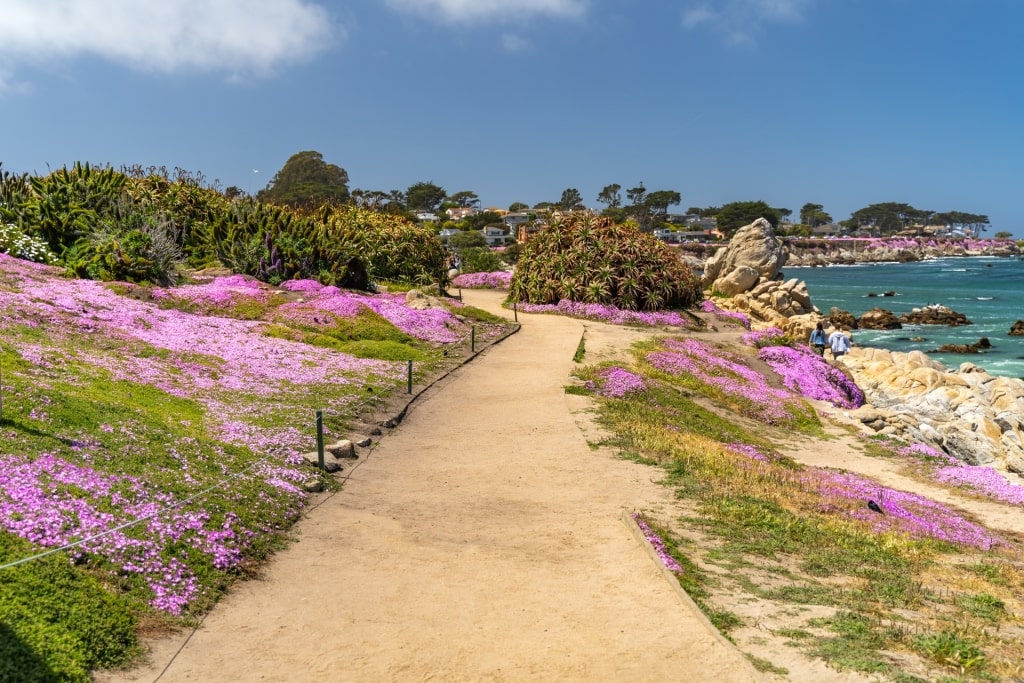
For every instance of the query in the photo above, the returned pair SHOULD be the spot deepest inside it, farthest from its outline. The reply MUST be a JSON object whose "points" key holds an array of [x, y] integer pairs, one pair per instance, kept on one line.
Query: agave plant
{"points": [[580, 257]]}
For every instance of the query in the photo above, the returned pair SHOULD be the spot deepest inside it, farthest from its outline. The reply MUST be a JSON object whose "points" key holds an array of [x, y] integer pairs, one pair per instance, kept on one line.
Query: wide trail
{"points": [[482, 540]]}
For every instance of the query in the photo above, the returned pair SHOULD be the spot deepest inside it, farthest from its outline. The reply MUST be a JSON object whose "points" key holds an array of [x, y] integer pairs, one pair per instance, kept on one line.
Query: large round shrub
{"points": [[595, 260]]}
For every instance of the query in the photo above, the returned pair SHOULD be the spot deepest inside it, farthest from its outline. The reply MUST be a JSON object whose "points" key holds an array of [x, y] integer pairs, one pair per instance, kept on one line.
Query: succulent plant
{"points": [[581, 257]]}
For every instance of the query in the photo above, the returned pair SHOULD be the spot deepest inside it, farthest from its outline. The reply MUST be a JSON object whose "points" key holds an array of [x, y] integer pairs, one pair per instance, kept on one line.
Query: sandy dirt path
{"points": [[483, 540]]}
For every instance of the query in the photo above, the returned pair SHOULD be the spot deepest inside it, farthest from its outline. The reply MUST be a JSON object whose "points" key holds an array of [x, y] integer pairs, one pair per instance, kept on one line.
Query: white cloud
{"points": [[697, 16], [470, 11], [740, 21], [237, 37], [513, 43]]}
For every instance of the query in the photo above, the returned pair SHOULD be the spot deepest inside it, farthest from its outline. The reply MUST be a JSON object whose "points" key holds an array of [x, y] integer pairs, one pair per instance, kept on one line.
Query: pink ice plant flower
{"points": [[709, 306], [618, 382], [52, 502], [727, 373], [977, 478], [658, 544], [902, 512], [437, 325], [769, 336], [493, 280], [752, 452], [609, 314], [807, 373]]}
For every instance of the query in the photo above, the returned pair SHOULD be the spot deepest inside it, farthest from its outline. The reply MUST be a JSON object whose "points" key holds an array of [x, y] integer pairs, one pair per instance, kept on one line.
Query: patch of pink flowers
{"points": [[708, 306], [902, 512], [658, 544], [52, 502], [977, 478], [769, 336], [617, 382], [752, 452], [726, 372], [436, 325], [493, 280], [807, 373], [609, 314]]}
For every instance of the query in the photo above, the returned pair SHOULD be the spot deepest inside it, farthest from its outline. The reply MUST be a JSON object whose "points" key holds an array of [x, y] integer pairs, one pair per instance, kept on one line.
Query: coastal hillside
{"points": [[155, 440]]}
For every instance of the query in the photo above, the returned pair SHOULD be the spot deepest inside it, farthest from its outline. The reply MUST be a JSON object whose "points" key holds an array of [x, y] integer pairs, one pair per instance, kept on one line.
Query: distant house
{"points": [[497, 235], [426, 217], [827, 230], [514, 219], [666, 235], [457, 213]]}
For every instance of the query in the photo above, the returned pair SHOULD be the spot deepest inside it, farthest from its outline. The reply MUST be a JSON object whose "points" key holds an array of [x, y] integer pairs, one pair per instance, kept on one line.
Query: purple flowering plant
{"points": [[610, 314], [122, 404], [661, 548], [729, 376], [709, 306], [616, 382], [947, 469], [808, 374], [484, 280]]}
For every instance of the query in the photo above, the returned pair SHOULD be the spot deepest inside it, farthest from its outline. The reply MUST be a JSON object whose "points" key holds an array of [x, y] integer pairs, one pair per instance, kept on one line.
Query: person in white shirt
{"points": [[839, 342]]}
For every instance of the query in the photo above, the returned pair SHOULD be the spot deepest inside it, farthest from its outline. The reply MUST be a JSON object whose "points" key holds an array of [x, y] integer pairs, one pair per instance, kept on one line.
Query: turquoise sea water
{"points": [[989, 291]]}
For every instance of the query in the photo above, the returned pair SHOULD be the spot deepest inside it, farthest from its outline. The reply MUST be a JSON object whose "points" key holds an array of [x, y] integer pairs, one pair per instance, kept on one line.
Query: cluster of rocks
{"points": [[967, 413], [334, 454], [849, 252], [882, 319], [748, 271], [977, 347]]}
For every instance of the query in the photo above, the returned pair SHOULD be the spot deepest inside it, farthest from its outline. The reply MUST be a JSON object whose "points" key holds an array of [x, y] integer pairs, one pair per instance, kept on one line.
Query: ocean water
{"points": [[989, 291]]}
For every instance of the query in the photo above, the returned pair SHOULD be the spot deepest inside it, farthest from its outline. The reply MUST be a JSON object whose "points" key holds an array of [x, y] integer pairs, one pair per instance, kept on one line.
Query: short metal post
{"points": [[460, 293], [515, 311], [410, 377], [472, 339], [320, 438]]}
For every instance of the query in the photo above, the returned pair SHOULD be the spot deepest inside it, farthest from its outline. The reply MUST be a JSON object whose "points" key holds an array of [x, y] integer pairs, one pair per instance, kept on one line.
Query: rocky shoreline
{"points": [[833, 252], [965, 412]]}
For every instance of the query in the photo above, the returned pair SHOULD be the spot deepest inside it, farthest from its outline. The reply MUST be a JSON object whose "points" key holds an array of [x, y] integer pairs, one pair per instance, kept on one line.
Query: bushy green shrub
{"points": [[479, 260], [590, 259]]}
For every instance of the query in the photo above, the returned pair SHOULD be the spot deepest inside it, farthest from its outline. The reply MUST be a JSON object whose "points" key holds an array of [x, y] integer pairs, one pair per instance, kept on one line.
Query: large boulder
{"points": [[879, 319], [935, 314], [753, 246]]}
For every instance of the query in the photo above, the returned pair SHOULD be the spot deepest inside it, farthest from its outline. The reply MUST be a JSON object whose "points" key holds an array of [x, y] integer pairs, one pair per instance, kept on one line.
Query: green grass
{"points": [[581, 349], [779, 542], [60, 619]]}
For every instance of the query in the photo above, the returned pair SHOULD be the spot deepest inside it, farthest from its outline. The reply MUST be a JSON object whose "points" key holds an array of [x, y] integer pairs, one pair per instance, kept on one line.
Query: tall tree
{"points": [[306, 179], [425, 196], [571, 200], [737, 214], [464, 199], [637, 194], [658, 203], [814, 215], [610, 196], [517, 206]]}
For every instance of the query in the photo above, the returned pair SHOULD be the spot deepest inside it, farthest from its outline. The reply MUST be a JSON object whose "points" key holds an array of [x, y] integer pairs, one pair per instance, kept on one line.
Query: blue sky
{"points": [[843, 103]]}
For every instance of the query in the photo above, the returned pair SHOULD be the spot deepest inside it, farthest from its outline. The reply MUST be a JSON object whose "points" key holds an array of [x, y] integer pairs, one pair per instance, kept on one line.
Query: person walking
{"points": [[819, 339], [839, 342]]}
